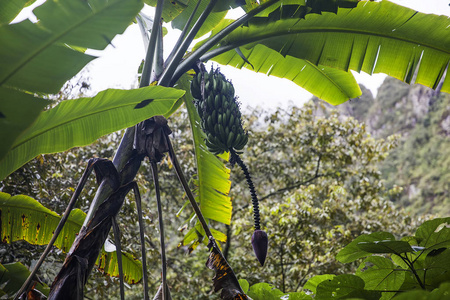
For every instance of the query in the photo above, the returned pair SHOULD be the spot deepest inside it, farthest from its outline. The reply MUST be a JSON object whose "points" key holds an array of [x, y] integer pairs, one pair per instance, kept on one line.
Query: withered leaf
{"points": [[225, 278]]}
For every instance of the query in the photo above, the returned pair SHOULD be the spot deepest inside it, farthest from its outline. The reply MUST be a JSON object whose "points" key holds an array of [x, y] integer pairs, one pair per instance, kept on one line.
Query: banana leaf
{"points": [[24, 218], [41, 57], [12, 276], [374, 37], [212, 180], [81, 121]]}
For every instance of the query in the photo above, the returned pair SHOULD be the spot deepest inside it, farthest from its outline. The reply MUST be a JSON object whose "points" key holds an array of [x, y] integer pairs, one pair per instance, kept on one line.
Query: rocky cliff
{"points": [[421, 162]]}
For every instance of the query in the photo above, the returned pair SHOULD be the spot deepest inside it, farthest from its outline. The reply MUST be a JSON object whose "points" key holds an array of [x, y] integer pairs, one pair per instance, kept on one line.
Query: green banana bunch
{"points": [[219, 112]]}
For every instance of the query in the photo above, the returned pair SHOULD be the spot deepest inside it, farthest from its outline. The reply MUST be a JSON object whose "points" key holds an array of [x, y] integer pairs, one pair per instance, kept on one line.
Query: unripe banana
{"points": [[210, 124], [216, 129], [217, 101], [227, 116], [239, 140], [223, 135], [195, 89], [219, 111], [224, 119], [231, 90], [230, 139], [231, 121]]}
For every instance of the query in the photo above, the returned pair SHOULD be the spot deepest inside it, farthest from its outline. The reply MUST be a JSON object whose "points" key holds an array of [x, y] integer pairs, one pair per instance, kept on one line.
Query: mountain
{"points": [[420, 117]]}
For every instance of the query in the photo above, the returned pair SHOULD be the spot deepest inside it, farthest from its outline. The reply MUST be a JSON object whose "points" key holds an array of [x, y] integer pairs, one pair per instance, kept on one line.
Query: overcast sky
{"points": [[117, 67]]}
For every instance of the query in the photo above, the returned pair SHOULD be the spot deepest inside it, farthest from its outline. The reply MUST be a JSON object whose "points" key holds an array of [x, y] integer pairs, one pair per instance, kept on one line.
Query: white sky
{"points": [[117, 67]]}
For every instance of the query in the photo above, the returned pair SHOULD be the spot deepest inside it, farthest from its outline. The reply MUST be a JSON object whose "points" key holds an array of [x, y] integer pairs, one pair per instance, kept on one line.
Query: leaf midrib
{"points": [[53, 41], [262, 37]]}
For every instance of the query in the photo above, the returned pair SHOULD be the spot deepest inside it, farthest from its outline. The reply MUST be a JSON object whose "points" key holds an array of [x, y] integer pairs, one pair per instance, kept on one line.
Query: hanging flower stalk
{"points": [[221, 121]]}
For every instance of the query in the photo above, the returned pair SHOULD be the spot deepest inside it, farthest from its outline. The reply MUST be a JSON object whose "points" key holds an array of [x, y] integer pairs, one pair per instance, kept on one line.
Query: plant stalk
{"points": [[195, 56], [60, 226], [161, 231], [116, 231], [148, 64], [183, 34], [166, 78], [256, 217], [137, 198], [411, 267], [188, 191]]}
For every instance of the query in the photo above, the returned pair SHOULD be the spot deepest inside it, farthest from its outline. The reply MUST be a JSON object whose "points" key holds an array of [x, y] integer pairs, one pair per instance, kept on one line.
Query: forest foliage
{"points": [[324, 190], [419, 117], [320, 188]]}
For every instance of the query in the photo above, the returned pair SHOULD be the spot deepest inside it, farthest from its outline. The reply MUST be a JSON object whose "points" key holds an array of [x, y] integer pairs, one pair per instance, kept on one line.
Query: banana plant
{"points": [[314, 43]]}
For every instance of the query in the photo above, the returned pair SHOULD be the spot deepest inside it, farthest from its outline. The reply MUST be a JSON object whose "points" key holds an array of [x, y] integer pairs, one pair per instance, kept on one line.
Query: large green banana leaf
{"points": [[213, 177], [212, 182], [80, 122], [374, 37], [41, 57], [24, 218], [171, 8]]}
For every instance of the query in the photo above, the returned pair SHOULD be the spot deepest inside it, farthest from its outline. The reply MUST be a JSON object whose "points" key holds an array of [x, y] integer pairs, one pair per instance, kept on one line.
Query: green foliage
{"points": [[265, 291], [212, 182], [419, 165], [10, 9], [319, 186], [52, 178], [12, 276], [15, 121], [41, 57], [356, 40], [418, 117], [80, 122], [307, 223], [336, 195], [24, 218], [416, 267]]}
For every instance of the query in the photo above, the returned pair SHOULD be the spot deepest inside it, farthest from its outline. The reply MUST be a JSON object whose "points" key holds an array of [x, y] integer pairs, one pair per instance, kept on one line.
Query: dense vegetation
{"points": [[317, 177], [419, 116]]}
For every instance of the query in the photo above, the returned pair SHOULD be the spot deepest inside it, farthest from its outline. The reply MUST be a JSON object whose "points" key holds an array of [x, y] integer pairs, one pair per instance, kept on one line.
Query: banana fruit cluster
{"points": [[219, 112]]}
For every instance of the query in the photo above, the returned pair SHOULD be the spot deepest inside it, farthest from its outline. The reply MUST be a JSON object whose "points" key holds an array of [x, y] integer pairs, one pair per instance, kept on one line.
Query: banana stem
{"points": [[148, 64], [236, 158]]}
